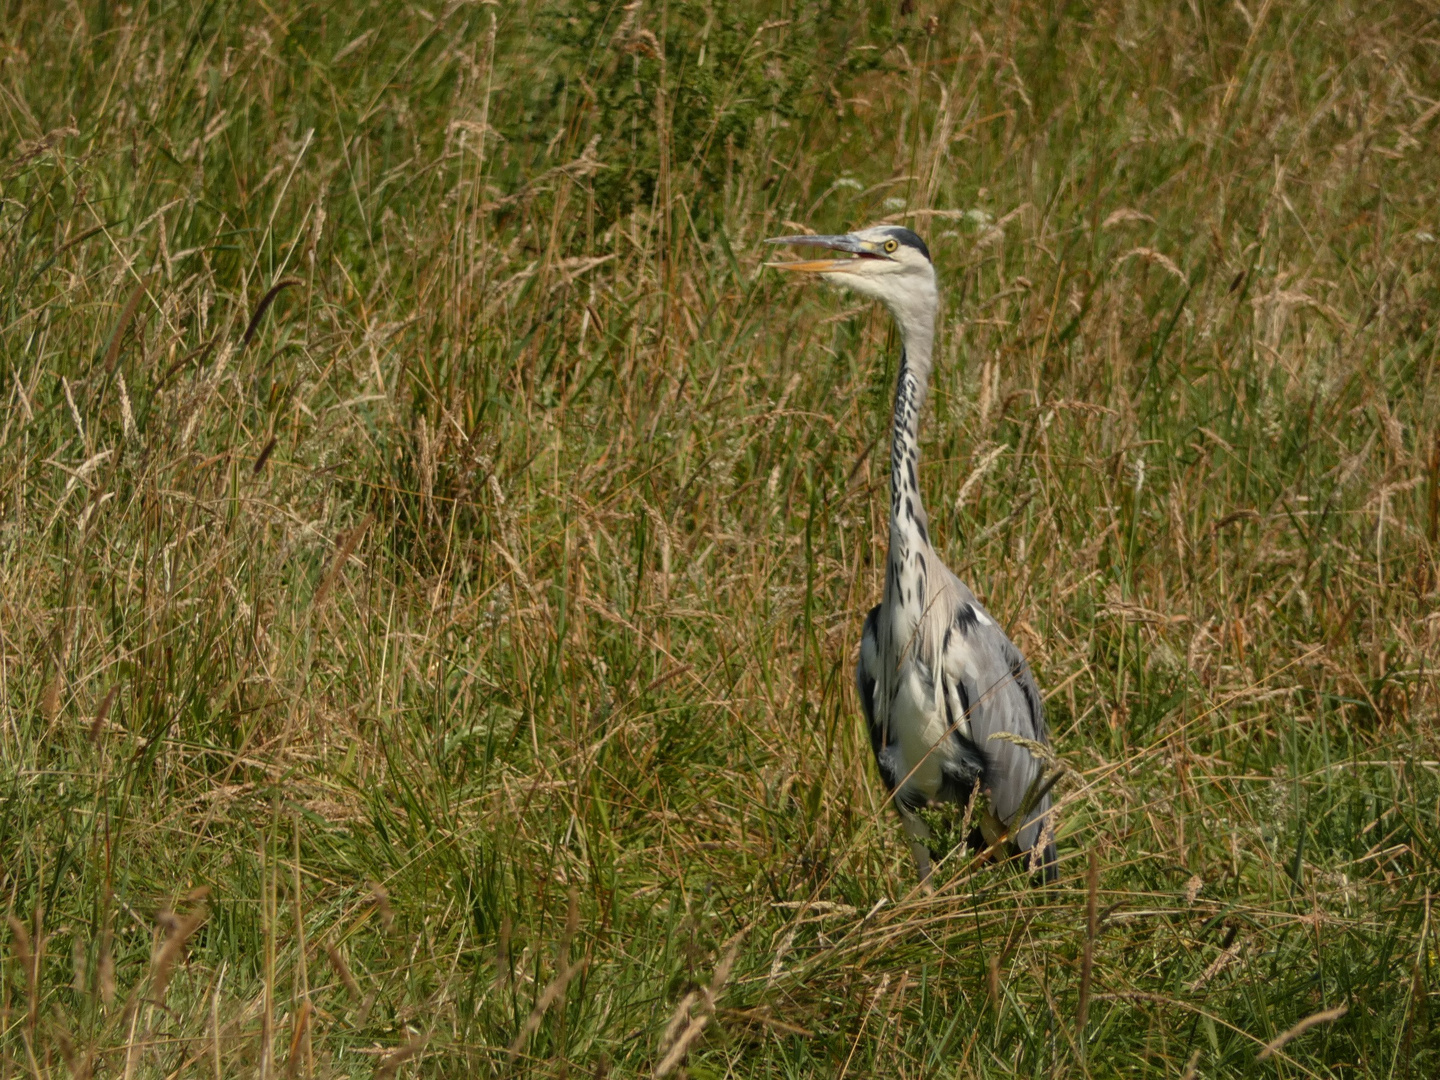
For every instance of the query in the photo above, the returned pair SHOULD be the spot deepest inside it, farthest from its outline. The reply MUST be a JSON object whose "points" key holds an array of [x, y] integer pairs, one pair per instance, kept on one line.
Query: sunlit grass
{"points": [[441, 664]]}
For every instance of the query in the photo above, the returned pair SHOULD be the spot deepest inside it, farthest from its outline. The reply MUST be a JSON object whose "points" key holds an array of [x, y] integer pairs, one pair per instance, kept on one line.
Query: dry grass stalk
{"points": [[363, 1013], [864, 1022], [1087, 962], [28, 953], [683, 1041], [264, 455], [50, 699], [572, 918], [127, 412], [678, 1019], [80, 1068], [675, 1043], [342, 969], [105, 968], [79, 977], [264, 305], [1222, 961], [297, 1036], [777, 965], [553, 992], [1325, 1016], [503, 967], [380, 903], [1119, 217], [1159, 258], [391, 1062], [74, 411], [103, 713], [342, 556], [977, 474], [178, 930], [215, 1049], [20, 944], [117, 338], [302, 949], [426, 466]]}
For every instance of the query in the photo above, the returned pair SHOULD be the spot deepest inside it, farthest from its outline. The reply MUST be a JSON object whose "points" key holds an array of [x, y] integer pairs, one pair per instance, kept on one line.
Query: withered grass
{"points": [[425, 525]]}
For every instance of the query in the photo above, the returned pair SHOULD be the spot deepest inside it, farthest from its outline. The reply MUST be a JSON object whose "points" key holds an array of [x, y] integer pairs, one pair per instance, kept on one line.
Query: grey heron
{"points": [[949, 699]]}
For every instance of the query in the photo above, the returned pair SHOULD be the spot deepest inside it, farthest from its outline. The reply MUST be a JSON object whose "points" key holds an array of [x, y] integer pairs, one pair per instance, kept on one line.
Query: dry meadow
{"points": [[433, 548]]}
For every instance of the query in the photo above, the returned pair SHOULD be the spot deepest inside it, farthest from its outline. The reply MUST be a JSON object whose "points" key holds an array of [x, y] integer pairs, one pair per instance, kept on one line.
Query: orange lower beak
{"points": [[816, 266]]}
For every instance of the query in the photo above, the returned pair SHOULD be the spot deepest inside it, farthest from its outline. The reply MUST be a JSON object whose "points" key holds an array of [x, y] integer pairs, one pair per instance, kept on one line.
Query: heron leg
{"points": [[922, 860], [919, 833]]}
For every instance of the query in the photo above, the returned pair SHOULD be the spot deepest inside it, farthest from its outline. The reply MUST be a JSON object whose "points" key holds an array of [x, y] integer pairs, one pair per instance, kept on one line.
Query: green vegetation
{"points": [[433, 548]]}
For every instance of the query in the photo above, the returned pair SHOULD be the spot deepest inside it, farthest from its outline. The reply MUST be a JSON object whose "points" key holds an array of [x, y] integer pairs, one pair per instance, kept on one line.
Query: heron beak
{"points": [[849, 244], [814, 266]]}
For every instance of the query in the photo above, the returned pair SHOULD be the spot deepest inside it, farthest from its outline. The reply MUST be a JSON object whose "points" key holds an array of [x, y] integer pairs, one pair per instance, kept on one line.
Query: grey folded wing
{"points": [[867, 677], [989, 673]]}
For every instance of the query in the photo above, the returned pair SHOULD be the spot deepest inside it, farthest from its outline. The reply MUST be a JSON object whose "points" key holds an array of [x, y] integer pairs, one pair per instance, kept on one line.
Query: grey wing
{"points": [[987, 673], [867, 676]]}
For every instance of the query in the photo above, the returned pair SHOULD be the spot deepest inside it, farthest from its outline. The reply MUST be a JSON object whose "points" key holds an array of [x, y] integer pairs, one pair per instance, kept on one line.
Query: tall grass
{"points": [[432, 548]]}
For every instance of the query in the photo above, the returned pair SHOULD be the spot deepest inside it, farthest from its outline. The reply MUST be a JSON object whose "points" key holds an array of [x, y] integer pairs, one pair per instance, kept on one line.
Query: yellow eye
{"points": [[890, 246]]}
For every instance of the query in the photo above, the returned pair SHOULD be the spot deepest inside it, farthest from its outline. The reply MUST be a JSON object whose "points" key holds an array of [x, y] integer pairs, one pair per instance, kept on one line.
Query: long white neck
{"points": [[909, 527]]}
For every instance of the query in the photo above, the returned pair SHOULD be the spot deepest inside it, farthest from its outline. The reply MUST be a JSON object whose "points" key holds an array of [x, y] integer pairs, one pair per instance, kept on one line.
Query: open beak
{"points": [[849, 244]]}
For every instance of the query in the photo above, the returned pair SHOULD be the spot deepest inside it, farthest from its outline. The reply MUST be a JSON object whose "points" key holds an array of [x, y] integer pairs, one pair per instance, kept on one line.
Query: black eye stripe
{"points": [[904, 236]]}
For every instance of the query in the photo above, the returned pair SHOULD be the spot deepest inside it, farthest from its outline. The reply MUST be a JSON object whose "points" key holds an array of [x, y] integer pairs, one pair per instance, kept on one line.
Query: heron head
{"points": [[886, 262]]}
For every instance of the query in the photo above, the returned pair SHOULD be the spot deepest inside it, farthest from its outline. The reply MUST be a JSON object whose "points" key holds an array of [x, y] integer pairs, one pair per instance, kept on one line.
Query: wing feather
{"points": [[981, 662], [984, 688], [867, 679]]}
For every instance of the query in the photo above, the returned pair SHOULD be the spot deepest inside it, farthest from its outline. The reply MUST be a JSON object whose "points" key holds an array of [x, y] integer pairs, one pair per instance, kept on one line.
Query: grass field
{"points": [[433, 548]]}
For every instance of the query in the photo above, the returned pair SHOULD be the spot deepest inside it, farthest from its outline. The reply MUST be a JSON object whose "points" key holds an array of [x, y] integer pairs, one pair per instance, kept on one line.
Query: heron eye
{"points": [[890, 246]]}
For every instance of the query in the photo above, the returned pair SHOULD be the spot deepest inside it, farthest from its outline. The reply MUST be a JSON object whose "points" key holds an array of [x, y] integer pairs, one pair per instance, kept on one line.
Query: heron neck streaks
{"points": [[905, 584]]}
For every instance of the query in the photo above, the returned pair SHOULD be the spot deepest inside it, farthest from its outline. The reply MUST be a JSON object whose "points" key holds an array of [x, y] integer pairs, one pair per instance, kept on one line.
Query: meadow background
{"points": [[433, 548]]}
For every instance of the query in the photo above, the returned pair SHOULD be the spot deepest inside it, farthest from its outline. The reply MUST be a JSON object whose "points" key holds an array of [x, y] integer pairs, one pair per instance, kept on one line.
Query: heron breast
{"points": [[921, 744]]}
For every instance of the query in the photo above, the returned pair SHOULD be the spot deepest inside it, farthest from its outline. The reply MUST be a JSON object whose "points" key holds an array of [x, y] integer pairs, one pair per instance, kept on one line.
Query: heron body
{"points": [[937, 677]]}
